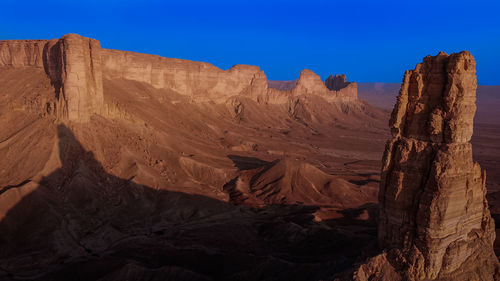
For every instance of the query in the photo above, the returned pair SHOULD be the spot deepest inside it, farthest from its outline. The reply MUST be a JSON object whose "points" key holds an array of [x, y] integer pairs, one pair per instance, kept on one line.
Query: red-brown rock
{"points": [[434, 217]]}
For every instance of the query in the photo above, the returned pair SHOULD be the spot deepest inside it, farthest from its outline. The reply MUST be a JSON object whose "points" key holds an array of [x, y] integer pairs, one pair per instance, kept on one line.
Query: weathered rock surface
{"points": [[434, 217], [198, 80], [155, 186], [333, 89], [282, 85], [205, 82], [77, 66], [73, 65], [22, 53]]}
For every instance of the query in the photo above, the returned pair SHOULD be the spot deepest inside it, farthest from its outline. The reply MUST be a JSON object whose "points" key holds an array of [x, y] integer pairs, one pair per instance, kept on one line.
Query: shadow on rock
{"points": [[83, 223]]}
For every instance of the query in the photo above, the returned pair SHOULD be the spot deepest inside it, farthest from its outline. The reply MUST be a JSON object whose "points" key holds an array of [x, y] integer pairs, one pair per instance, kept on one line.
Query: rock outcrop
{"points": [[77, 66], [73, 65], [334, 88], [205, 82], [199, 80], [337, 82], [434, 217], [22, 53]]}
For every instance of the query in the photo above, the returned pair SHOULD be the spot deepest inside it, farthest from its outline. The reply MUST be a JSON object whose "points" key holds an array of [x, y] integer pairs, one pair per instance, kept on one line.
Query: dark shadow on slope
{"points": [[82, 223], [362, 223], [365, 215], [247, 163], [363, 182], [5, 188]]}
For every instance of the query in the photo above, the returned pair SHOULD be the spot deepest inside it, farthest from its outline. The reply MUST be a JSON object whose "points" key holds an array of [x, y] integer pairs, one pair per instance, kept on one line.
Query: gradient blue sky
{"points": [[370, 41]]}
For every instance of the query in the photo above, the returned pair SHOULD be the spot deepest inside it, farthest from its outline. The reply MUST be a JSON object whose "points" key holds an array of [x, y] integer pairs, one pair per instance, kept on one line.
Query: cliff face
{"points": [[199, 80], [434, 217], [77, 66], [22, 53], [205, 82], [310, 83], [73, 65], [179, 146]]}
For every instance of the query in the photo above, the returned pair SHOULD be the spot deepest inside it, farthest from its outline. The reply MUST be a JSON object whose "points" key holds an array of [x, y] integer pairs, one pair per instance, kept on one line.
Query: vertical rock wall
{"points": [[310, 83], [434, 217], [73, 64], [199, 80], [77, 66], [22, 53]]}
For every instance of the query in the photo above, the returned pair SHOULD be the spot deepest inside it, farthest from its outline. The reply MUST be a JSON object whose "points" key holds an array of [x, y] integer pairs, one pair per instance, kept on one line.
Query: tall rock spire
{"points": [[434, 217]]}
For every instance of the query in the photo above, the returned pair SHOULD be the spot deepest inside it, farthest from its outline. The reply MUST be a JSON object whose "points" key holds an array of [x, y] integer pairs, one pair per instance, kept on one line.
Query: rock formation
{"points": [[73, 65], [199, 80], [117, 165], [334, 88], [434, 217], [337, 82], [77, 66]]}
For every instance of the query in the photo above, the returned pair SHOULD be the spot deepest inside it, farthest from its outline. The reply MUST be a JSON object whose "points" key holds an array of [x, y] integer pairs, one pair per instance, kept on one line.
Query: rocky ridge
{"points": [[434, 217], [77, 66], [180, 171]]}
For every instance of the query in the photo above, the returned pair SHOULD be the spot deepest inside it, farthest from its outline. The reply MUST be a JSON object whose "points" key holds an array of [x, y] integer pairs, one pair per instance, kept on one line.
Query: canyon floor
{"points": [[167, 187]]}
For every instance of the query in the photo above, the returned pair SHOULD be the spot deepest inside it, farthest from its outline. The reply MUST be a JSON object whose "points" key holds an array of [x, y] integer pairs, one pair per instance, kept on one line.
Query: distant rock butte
{"points": [[434, 217], [78, 65], [336, 82]]}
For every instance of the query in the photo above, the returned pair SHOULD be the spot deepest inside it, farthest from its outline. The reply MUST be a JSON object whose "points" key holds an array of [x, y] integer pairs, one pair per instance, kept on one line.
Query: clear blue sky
{"points": [[370, 41]]}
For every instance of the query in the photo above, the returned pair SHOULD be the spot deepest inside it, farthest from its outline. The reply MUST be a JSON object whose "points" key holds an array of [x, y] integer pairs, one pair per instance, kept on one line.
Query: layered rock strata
{"points": [[77, 66], [73, 65], [199, 80], [205, 82], [335, 87], [434, 217]]}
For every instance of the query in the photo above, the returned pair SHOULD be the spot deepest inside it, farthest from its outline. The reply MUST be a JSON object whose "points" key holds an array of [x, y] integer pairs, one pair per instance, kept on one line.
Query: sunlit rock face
{"points": [[434, 217], [73, 64], [125, 166], [77, 66]]}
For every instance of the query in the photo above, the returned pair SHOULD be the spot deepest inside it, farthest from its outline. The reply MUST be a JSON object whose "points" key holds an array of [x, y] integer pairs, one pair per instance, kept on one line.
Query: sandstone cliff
{"points": [[199, 80], [434, 217], [310, 83], [22, 53], [205, 82], [153, 187], [77, 66], [73, 65]]}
